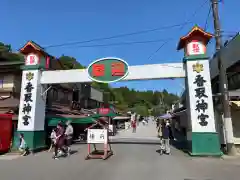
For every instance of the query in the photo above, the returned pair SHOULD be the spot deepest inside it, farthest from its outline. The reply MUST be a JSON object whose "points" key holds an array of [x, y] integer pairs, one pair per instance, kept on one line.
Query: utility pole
{"points": [[223, 84]]}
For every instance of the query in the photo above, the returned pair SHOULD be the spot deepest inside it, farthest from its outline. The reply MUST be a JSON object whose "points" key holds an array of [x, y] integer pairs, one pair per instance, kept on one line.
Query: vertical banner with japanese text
{"points": [[200, 96], [32, 105]]}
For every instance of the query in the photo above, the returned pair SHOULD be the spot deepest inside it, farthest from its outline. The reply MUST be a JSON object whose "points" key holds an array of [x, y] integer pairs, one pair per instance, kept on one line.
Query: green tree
{"points": [[4, 48], [156, 98], [7, 54], [141, 109], [70, 62]]}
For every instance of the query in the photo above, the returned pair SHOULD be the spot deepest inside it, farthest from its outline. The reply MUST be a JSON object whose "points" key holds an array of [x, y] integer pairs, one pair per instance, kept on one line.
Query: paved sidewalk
{"points": [[143, 132], [136, 161], [10, 156]]}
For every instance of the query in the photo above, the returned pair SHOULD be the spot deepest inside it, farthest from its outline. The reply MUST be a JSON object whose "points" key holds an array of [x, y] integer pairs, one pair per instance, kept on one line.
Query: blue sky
{"points": [[51, 22]]}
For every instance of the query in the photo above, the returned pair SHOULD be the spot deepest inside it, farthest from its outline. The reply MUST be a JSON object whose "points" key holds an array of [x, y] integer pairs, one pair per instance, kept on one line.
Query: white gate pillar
{"points": [[202, 137], [31, 118]]}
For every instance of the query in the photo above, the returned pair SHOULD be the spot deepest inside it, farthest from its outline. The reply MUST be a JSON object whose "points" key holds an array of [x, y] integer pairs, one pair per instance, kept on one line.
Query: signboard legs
{"points": [[99, 154], [98, 136]]}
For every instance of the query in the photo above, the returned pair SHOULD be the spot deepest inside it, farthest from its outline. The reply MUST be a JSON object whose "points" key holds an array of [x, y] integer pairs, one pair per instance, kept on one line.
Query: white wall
{"points": [[197, 125], [96, 95], [236, 125], [37, 113], [139, 72], [7, 80], [17, 83]]}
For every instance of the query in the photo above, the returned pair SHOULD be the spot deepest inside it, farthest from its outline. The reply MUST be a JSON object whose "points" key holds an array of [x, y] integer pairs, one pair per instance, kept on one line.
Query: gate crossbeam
{"points": [[139, 72]]}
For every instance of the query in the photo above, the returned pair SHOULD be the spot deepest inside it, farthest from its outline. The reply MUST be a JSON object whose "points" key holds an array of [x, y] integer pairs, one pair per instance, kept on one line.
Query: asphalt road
{"points": [[135, 160]]}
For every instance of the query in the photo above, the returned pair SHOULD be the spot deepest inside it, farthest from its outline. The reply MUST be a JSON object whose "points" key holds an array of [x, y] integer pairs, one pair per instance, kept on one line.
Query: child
{"points": [[23, 146], [53, 139]]}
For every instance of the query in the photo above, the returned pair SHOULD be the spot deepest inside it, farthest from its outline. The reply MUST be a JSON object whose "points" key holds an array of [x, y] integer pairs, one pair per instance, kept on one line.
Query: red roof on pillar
{"points": [[31, 46], [196, 31]]}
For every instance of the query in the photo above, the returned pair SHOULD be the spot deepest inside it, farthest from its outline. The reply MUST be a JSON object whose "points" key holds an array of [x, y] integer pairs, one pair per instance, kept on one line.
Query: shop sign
{"points": [[107, 70]]}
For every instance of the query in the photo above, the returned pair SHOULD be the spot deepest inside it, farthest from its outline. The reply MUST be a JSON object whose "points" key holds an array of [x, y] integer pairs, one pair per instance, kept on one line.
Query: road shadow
{"points": [[80, 142], [135, 142], [158, 151], [179, 142], [180, 145], [73, 152]]}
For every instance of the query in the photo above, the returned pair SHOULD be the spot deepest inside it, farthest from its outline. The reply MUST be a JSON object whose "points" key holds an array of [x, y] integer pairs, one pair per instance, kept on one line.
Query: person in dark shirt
{"points": [[166, 135], [60, 139], [170, 132], [157, 123]]}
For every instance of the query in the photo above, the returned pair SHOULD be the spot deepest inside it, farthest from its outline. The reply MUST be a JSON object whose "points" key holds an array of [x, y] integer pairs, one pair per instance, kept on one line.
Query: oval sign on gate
{"points": [[107, 70]]}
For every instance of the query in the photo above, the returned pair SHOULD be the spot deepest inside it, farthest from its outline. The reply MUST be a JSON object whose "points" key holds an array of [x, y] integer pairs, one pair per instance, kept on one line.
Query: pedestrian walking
{"points": [[134, 126], [69, 136], [159, 129], [160, 135], [157, 122], [60, 140], [166, 134], [171, 136], [53, 139], [146, 121], [23, 148]]}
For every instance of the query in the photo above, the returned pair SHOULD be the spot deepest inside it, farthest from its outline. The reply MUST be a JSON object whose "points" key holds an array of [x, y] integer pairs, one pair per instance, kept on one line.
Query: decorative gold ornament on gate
{"points": [[29, 76], [198, 67]]}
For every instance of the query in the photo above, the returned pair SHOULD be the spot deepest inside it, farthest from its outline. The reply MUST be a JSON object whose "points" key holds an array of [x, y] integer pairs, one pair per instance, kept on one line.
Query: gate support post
{"points": [[31, 118], [202, 138]]}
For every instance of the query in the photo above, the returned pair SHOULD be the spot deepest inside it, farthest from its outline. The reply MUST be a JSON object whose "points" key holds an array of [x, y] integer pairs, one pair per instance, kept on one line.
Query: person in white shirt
{"points": [[53, 139], [69, 136]]}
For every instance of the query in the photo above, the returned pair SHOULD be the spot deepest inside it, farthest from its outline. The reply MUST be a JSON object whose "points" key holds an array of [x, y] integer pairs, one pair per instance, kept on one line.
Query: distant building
{"points": [[230, 54]]}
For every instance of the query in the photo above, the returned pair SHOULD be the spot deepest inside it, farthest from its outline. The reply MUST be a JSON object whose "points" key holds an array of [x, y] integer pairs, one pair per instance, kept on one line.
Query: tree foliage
{"points": [[70, 62], [144, 102], [7, 54]]}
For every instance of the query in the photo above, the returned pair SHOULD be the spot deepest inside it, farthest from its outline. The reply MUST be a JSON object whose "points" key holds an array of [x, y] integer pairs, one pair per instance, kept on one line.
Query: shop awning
{"points": [[178, 113], [111, 114], [235, 103], [53, 121], [165, 116], [121, 118]]}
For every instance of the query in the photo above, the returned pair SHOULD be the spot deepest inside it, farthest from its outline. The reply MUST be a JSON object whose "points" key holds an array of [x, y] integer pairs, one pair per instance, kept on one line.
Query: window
{"points": [[75, 95], [60, 95], [230, 84], [65, 97], [1, 81], [55, 94]]}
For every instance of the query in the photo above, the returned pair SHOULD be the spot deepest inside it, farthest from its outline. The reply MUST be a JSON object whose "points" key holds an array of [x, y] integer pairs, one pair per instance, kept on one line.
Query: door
{"points": [[5, 133]]}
